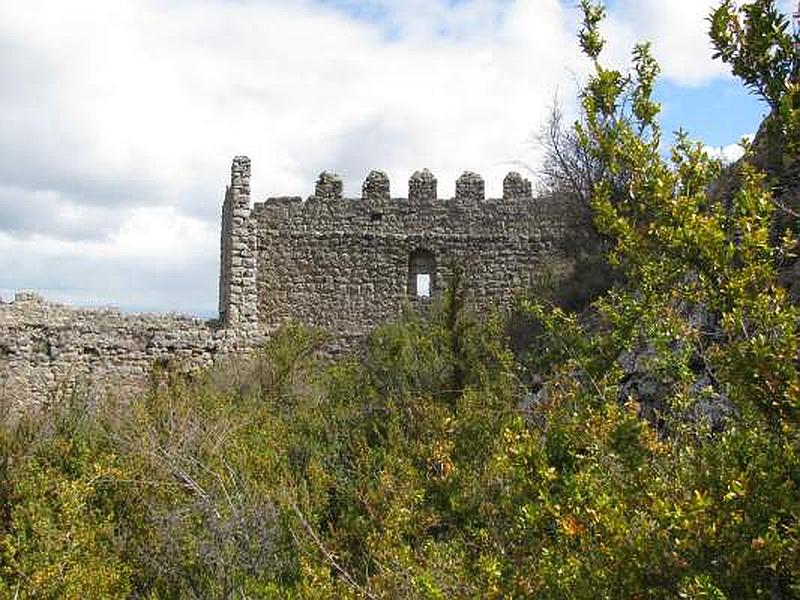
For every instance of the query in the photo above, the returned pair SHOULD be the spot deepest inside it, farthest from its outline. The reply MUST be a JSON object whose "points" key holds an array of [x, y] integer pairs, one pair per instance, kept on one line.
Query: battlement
{"points": [[348, 264], [422, 187]]}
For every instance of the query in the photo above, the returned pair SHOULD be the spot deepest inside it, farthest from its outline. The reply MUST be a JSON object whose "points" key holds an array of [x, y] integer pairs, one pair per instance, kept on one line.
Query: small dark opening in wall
{"points": [[376, 216]]}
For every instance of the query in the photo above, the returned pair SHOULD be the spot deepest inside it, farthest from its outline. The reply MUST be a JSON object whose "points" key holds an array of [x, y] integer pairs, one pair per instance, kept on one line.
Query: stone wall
{"points": [[48, 348], [348, 264]]}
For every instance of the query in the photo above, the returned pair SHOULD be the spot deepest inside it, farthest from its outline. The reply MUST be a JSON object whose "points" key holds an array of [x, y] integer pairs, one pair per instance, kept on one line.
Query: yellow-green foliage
{"points": [[57, 538]]}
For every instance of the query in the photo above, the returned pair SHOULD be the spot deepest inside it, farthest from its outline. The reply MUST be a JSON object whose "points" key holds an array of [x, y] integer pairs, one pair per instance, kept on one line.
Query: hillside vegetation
{"points": [[645, 446]]}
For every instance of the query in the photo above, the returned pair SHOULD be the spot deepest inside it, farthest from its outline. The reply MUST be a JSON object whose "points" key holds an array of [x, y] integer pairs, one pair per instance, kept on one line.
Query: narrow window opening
{"points": [[423, 285], [421, 274]]}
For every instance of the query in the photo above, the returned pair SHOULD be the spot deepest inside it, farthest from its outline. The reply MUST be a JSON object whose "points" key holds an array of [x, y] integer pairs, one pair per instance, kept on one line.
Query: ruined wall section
{"points": [[48, 348], [348, 264]]}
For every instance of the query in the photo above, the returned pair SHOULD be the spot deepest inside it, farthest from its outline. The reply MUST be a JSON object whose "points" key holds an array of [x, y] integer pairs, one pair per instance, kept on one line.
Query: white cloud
{"points": [[730, 153], [157, 259], [121, 116], [163, 94], [678, 30]]}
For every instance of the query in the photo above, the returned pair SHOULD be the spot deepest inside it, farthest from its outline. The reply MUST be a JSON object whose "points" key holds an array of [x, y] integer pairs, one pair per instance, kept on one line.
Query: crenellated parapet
{"points": [[470, 188]]}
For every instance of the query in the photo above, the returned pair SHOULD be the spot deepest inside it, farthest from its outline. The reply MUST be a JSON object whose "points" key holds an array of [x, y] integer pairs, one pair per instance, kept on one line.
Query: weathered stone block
{"points": [[422, 186], [470, 186], [376, 186], [515, 187], [329, 186]]}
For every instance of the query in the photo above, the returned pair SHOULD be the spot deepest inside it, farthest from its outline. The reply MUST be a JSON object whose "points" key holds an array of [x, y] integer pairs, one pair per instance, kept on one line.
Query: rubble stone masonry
{"points": [[348, 264], [48, 348]]}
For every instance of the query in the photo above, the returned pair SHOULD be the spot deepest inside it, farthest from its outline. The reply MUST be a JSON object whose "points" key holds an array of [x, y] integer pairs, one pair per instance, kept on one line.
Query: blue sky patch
{"points": [[718, 113]]}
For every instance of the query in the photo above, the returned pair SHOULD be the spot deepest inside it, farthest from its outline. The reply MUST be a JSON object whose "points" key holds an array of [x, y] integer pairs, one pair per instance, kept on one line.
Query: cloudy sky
{"points": [[119, 118]]}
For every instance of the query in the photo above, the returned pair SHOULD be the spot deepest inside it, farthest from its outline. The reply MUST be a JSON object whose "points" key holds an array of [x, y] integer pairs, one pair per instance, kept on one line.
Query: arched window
{"points": [[421, 274]]}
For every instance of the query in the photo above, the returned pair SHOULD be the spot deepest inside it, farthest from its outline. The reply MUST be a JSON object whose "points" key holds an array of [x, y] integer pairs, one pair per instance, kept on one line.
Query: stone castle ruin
{"points": [[342, 264], [348, 264]]}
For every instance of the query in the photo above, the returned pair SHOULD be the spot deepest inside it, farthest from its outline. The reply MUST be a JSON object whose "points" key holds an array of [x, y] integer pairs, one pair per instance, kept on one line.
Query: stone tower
{"points": [[237, 278]]}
